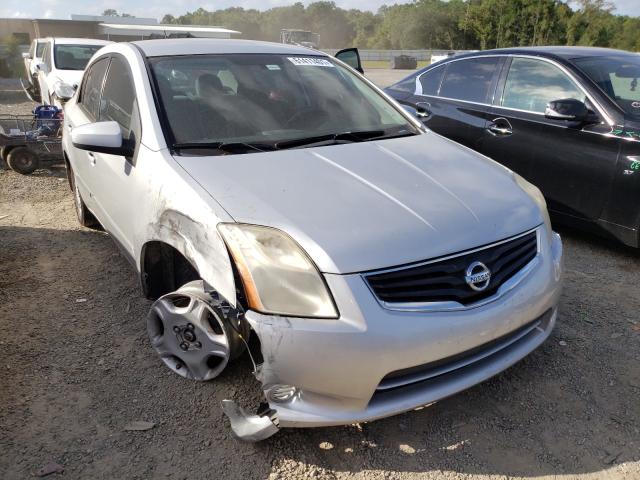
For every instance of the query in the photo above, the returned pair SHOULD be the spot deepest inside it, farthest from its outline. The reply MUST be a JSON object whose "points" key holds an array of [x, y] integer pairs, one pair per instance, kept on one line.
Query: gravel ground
{"points": [[78, 369]]}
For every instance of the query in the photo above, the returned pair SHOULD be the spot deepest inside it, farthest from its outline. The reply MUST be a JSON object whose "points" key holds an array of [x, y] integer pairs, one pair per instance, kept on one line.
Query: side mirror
{"points": [[351, 57], [26, 55], [101, 137], [568, 109]]}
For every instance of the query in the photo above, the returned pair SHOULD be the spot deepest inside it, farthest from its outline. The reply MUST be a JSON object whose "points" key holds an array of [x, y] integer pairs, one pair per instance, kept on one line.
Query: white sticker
{"points": [[310, 61], [273, 67]]}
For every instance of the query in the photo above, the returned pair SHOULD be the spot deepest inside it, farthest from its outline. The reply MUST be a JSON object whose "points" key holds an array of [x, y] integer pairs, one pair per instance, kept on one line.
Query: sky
{"points": [[158, 8]]}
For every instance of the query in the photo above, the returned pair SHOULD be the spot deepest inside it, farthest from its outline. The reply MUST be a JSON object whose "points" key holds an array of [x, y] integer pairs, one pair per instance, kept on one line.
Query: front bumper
{"points": [[338, 366]]}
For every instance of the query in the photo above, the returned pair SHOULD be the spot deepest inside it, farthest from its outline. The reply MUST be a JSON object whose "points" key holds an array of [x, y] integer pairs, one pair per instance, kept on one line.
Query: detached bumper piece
{"points": [[250, 428]]}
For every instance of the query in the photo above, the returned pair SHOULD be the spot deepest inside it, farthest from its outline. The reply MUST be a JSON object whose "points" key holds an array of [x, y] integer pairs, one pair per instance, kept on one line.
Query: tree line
{"points": [[436, 24]]}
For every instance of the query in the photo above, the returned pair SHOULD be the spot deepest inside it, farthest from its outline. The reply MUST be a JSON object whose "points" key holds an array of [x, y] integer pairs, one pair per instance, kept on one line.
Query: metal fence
{"points": [[387, 55]]}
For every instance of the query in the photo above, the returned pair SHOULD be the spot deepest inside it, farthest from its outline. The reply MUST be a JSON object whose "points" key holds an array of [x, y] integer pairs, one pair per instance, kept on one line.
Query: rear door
{"points": [[453, 99], [572, 163]]}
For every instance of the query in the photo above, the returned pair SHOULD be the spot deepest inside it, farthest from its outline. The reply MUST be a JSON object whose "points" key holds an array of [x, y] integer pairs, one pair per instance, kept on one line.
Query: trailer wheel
{"points": [[23, 160]]}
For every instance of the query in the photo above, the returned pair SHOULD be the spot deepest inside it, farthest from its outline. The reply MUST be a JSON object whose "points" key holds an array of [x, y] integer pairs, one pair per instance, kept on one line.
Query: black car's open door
{"points": [[351, 57]]}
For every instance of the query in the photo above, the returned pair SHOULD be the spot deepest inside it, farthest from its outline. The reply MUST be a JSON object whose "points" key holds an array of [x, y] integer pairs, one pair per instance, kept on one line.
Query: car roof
{"points": [[77, 41], [201, 46], [564, 52]]}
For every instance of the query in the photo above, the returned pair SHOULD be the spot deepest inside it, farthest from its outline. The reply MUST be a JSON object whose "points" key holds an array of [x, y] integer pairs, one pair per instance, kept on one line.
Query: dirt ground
{"points": [[78, 369]]}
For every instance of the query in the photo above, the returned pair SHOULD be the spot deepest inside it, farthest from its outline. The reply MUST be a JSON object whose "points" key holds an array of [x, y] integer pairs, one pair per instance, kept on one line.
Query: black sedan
{"points": [[565, 118]]}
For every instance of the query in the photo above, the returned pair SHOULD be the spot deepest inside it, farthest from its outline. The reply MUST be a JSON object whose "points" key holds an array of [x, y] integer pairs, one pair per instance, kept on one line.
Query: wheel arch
{"points": [[180, 249]]}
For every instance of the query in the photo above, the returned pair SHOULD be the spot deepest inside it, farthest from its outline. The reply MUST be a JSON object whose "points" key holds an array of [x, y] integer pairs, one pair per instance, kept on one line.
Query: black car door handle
{"points": [[423, 110], [500, 127]]}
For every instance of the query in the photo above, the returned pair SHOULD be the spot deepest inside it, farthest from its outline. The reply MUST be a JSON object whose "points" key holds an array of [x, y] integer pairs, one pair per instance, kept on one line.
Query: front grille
{"points": [[444, 280]]}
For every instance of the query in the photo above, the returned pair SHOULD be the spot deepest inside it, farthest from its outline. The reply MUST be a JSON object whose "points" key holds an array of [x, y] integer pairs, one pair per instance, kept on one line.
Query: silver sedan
{"points": [[275, 202]]}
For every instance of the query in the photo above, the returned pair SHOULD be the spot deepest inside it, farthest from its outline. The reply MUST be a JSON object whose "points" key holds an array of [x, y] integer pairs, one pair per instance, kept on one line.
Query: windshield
{"points": [[618, 77], [270, 100], [73, 57]]}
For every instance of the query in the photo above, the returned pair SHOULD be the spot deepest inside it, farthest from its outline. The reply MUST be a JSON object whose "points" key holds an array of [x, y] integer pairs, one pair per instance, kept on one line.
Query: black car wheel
{"points": [[23, 160]]}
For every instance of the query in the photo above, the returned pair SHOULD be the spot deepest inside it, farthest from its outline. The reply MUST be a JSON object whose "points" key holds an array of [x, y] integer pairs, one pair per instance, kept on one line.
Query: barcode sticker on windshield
{"points": [[307, 61]]}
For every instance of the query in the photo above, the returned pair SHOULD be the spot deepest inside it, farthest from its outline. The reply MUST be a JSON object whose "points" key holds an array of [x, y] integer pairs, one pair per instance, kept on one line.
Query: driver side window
{"points": [[531, 84], [92, 87]]}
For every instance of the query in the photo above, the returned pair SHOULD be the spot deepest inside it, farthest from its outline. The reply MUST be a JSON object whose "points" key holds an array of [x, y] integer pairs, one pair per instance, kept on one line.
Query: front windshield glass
{"points": [[618, 77], [73, 57], [269, 100]]}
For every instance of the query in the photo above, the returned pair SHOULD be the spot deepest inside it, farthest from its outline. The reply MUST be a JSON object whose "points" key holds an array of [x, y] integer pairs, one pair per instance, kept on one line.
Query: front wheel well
{"points": [[164, 269]]}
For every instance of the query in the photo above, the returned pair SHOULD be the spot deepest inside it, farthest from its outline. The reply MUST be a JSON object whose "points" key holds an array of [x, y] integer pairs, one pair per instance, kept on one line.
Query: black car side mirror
{"points": [[568, 109]]}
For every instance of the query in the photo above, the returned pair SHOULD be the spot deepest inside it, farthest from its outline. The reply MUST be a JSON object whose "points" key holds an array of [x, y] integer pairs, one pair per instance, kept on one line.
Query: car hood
{"points": [[370, 205], [70, 77]]}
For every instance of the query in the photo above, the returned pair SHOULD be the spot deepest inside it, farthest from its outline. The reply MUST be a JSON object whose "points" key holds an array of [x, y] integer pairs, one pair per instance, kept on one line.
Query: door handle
{"points": [[496, 130], [69, 127], [423, 110], [92, 158], [500, 127]]}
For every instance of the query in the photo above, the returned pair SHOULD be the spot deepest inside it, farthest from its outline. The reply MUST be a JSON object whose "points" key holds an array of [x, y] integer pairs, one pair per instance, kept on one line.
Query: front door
{"points": [[572, 163], [114, 174], [86, 110]]}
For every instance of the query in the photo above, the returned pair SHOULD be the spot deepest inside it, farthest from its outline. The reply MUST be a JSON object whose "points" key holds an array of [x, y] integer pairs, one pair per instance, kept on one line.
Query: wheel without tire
{"points": [[85, 217], [195, 333], [22, 160]]}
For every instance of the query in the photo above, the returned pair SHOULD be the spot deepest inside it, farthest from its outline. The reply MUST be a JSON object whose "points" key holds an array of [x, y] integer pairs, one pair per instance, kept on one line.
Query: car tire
{"points": [[23, 160], [85, 217], [196, 333]]}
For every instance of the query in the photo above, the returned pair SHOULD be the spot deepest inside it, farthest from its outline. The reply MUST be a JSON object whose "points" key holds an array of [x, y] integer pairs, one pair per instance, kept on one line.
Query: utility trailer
{"points": [[29, 142]]}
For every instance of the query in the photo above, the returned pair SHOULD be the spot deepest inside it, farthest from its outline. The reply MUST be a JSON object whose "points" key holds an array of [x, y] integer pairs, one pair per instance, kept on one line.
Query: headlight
{"points": [[278, 276], [64, 91], [535, 193]]}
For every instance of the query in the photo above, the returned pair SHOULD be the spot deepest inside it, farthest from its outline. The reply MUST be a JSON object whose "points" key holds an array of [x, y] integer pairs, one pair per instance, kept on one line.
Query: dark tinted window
{"points": [[617, 76], [90, 94], [430, 81], [40, 49], [469, 79], [531, 84], [118, 94]]}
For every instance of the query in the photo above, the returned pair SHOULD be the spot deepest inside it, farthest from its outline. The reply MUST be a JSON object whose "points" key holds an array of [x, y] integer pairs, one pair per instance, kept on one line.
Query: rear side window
{"points": [[92, 87], [430, 81], [470, 79], [118, 94], [531, 84]]}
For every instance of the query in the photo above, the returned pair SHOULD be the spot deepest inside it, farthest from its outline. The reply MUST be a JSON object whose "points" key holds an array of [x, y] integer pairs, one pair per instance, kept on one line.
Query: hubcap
{"points": [[187, 334]]}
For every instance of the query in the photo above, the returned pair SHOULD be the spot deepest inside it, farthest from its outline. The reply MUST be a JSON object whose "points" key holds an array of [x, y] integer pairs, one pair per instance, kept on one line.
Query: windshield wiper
{"points": [[226, 147], [349, 136]]}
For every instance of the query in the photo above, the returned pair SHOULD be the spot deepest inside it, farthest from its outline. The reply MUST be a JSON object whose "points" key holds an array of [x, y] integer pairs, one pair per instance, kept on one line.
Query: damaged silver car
{"points": [[273, 199]]}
